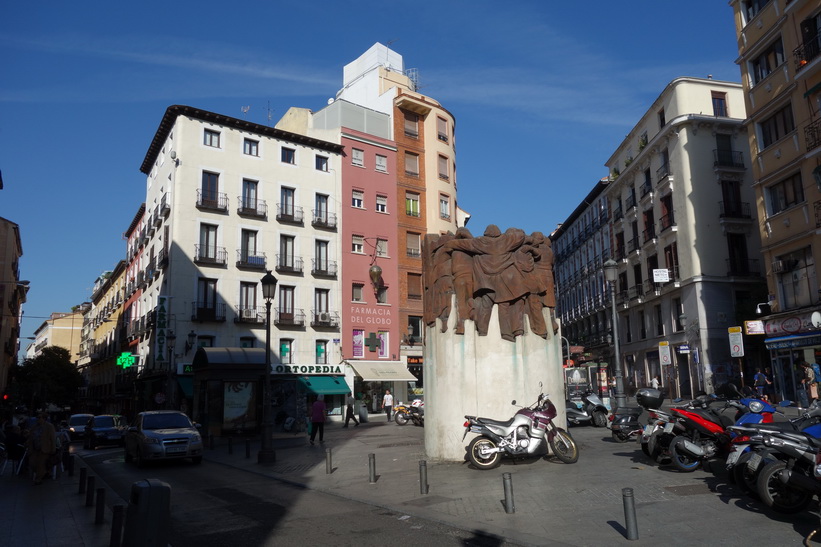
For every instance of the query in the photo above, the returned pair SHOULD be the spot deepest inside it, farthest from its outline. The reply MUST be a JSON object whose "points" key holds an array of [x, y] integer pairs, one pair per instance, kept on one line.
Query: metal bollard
{"points": [[90, 491], [630, 513], [83, 473], [117, 514], [508, 484], [247, 448], [372, 468], [230, 445], [71, 465], [329, 466], [423, 477], [99, 516]]}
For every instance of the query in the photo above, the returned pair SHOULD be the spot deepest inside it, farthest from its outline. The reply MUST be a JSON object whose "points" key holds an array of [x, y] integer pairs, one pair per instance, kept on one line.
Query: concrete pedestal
{"points": [[480, 375]]}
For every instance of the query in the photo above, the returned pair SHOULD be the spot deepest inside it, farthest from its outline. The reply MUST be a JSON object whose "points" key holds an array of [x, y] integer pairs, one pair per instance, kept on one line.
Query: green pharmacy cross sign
{"points": [[125, 360]]}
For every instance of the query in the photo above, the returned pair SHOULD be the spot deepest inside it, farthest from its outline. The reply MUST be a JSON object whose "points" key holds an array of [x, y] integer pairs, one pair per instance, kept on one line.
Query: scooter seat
{"points": [[629, 411]]}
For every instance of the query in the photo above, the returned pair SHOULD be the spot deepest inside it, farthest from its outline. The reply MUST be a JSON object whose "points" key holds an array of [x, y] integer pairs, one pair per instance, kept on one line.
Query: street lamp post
{"points": [[266, 452], [611, 274]]}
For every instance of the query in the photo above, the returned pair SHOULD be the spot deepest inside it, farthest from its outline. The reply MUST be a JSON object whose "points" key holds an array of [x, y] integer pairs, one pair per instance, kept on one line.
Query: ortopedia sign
{"points": [[736, 342]]}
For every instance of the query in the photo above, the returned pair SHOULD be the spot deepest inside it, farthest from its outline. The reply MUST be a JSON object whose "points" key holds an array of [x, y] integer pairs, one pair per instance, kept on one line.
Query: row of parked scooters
{"points": [[778, 462]]}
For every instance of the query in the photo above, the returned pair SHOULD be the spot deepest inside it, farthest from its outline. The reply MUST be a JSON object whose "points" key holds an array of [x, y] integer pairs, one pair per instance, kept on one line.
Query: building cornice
{"points": [[172, 112]]}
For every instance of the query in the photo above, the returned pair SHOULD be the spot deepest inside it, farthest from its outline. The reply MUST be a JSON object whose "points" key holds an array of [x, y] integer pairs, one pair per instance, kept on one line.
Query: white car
{"points": [[162, 435]]}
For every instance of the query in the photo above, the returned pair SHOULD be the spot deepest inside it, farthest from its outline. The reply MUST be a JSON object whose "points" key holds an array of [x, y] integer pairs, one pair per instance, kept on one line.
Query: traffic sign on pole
{"points": [[664, 353], [736, 342]]}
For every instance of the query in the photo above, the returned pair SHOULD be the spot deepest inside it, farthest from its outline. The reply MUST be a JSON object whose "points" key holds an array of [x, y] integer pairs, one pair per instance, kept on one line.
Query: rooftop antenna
{"points": [[245, 110], [270, 112]]}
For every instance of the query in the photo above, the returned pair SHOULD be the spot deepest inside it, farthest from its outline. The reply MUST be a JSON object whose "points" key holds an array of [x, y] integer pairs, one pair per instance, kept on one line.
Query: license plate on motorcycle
{"points": [[732, 457], [669, 427], [752, 463]]}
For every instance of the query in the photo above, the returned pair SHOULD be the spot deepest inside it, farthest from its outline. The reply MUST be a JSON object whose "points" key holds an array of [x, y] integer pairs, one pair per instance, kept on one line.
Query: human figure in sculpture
{"points": [[498, 278], [438, 280], [462, 268]]}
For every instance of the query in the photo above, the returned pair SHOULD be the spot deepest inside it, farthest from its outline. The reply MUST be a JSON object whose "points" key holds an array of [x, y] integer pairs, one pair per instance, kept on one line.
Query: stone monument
{"points": [[491, 336]]}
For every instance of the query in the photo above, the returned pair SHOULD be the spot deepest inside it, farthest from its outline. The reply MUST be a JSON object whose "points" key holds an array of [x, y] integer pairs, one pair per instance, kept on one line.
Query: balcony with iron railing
{"points": [[663, 173], [635, 292], [206, 311], [812, 135], [324, 319], [645, 189], [213, 201], [618, 213], [807, 52], [162, 258], [667, 221], [165, 206], [289, 214], [289, 317], [414, 252], [323, 267], [323, 219], [287, 263], [734, 209], [630, 202], [743, 267], [728, 158], [252, 207], [632, 244], [649, 233], [250, 259], [250, 314], [210, 255]]}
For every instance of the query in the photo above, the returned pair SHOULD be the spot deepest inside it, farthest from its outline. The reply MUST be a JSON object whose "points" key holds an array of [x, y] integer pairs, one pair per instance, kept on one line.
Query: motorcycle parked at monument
{"points": [[528, 433], [416, 413], [592, 411], [401, 413]]}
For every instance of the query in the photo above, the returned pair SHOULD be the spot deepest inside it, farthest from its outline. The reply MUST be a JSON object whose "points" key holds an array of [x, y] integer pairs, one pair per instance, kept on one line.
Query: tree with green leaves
{"points": [[50, 377]]}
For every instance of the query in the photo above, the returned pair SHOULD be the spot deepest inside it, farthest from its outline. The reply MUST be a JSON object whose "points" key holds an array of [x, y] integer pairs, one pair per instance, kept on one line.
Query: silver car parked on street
{"points": [[160, 435]]}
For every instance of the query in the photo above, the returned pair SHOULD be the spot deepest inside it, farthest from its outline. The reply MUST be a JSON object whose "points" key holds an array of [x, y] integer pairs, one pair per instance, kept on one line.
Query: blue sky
{"points": [[543, 92]]}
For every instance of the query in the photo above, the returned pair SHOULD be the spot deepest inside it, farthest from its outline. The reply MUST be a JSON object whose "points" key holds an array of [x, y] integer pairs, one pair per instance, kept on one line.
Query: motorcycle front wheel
{"points": [[599, 419], [564, 447], [401, 418], [479, 455], [681, 459], [781, 497]]}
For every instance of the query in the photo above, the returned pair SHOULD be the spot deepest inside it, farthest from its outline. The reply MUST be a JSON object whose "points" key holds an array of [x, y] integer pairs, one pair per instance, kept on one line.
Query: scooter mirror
{"points": [[513, 402]]}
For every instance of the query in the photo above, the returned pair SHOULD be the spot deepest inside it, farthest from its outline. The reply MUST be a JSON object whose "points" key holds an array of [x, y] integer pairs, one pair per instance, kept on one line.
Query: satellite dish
{"points": [[173, 154], [815, 319], [331, 100]]}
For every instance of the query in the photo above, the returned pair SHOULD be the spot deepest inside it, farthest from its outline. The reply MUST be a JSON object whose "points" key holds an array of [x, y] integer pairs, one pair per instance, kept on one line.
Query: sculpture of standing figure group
{"points": [[512, 270]]}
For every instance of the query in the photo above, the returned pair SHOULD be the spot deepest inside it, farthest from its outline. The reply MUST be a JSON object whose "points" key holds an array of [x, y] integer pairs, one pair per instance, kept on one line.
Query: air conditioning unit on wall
{"points": [[249, 313], [324, 317]]}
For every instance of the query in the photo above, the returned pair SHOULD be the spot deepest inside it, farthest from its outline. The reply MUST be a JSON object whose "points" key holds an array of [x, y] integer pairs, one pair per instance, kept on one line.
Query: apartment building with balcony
{"points": [[12, 297], [426, 183], [226, 201], [779, 47], [682, 229], [101, 345]]}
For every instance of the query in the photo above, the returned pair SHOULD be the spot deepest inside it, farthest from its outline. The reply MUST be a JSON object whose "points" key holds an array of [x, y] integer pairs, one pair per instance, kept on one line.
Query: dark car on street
{"points": [[160, 435], [104, 429], [77, 426]]}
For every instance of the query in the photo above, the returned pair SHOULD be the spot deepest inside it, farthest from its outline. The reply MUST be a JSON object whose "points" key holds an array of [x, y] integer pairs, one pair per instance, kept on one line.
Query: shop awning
{"points": [[186, 385], [325, 385], [382, 371], [794, 341]]}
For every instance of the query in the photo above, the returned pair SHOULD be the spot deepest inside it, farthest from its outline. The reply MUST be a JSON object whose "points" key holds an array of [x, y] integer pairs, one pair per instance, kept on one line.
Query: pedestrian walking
{"points": [[803, 375], [349, 415], [761, 382], [387, 403], [318, 419], [655, 382], [41, 446]]}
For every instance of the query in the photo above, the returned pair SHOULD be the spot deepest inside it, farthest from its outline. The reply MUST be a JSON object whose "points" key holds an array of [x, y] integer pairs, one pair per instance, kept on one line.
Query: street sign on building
{"points": [[661, 275], [736, 342]]}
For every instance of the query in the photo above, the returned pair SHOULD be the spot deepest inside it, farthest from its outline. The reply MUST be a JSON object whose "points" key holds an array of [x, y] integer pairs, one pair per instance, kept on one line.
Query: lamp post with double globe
{"points": [[266, 452]]}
